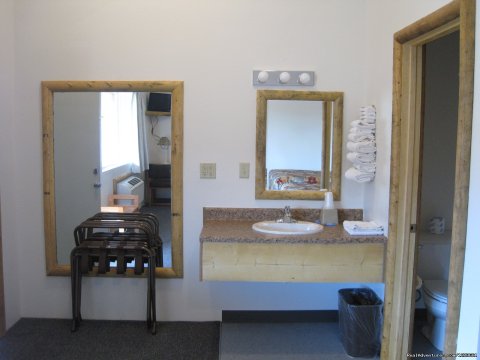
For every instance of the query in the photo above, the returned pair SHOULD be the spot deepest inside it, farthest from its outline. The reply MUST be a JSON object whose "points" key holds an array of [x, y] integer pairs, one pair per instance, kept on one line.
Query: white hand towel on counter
{"points": [[362, 228], [361, 158], [362, 146], [359, 176], [361, 137]]}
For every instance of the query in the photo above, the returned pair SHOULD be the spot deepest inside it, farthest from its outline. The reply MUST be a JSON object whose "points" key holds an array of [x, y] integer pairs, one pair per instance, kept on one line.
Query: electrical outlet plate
{"points": [[208, 171], [244, 170]]}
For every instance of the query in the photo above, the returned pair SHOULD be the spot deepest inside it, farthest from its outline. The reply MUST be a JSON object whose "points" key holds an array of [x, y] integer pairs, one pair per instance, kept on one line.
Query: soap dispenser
{"points": [[329, 215]]}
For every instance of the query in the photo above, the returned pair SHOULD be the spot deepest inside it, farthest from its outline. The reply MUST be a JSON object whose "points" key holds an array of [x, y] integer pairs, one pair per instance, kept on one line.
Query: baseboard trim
{"points": [[252, 316]]}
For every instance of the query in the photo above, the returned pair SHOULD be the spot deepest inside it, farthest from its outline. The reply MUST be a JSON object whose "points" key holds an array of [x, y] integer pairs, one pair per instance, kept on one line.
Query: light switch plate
{"points": [[244, 170], [208, 171]]}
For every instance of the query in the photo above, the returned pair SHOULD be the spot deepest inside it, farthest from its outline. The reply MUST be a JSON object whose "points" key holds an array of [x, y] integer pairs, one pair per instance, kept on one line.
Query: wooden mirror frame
{"points": [[48, 90], [336, 101]]}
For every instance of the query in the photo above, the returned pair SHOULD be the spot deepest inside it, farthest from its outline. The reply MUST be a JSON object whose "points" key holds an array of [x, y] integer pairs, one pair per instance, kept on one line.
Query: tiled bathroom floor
{"points": [[281, 341], [294, 341], [420, 344]]}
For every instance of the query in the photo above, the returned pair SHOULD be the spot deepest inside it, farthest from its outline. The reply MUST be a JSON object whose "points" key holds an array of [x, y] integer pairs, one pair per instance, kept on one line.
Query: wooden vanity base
{"points": [[290, 262]]}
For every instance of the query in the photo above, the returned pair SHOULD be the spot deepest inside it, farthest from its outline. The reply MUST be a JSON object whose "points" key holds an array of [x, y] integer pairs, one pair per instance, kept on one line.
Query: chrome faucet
{"points": [[287, 216]]}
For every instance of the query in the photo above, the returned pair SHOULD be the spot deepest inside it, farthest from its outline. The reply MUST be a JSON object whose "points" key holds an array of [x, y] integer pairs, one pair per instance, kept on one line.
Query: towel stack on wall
{"points": [[362, 147]]}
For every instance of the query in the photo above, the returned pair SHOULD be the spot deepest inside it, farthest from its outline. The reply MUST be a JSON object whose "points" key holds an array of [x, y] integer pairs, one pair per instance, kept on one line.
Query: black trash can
{"points": [[360, 319]]}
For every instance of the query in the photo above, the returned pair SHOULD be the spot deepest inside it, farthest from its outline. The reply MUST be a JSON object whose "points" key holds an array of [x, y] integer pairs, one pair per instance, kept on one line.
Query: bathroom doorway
{"points": [[405, 184], [436, 185]]}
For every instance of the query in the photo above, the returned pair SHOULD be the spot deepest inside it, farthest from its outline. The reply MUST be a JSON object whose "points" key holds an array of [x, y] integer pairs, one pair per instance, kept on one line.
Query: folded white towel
{"points": [[368, 120], [367, 168], [363, 227], [361, 158], [362, 124], [362, 146], [361, 137], [369, 109], [359, 176], [363, 131], [368, 114]]}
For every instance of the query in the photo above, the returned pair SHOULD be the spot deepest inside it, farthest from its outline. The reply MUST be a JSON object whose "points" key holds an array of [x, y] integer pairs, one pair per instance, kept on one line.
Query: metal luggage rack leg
{"points": [[138, 240]]}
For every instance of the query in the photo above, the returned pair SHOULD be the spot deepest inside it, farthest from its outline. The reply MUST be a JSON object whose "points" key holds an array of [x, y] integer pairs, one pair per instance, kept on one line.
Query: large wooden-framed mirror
{"points": [[76, 188], [299, 144]]}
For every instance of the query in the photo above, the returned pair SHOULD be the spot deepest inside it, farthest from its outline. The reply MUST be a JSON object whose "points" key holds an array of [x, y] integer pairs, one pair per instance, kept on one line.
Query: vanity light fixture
{"points": [[283, 78]]}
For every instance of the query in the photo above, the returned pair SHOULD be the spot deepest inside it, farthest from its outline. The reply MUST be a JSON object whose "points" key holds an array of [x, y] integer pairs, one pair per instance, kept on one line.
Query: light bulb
{"points": [[284, 77], [262, 77], [304, 78]]}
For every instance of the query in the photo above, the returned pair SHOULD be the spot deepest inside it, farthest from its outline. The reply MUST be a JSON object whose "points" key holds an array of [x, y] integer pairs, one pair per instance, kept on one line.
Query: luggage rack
{"points": [[121, 237]]}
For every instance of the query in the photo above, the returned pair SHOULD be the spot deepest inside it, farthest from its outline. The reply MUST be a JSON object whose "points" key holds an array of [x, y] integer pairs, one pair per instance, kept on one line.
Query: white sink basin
{"points": [[279, 228]]}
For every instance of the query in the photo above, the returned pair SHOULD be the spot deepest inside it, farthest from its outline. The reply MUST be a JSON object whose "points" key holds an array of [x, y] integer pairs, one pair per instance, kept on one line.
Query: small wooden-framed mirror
{"points": [[73, 172], [299, 144]]}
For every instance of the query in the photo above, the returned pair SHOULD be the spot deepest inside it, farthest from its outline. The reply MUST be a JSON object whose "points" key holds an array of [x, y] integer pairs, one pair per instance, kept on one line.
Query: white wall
{"points": [[210, 47], [213, 46], [8, 164]]}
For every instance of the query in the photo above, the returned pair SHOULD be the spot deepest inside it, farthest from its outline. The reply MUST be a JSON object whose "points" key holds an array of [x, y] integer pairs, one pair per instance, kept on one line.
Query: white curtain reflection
{"points": [[142, 99], [119, 130]]}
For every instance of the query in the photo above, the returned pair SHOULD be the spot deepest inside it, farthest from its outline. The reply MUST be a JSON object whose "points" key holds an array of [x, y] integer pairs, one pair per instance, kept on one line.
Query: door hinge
{"points": [[413, 228]]}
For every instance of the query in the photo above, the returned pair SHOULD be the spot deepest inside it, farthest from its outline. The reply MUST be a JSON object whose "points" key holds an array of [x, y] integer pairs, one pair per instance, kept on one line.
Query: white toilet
{"points": [[435, 298]]}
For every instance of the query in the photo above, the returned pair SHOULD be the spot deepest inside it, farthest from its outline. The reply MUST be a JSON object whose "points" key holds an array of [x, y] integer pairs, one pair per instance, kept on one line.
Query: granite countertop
{"points": [[241, 231], [221, 225]]}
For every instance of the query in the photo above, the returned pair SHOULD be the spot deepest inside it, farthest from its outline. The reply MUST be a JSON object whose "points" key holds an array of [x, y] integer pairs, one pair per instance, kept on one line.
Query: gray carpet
{"points": [[42, 339]]}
